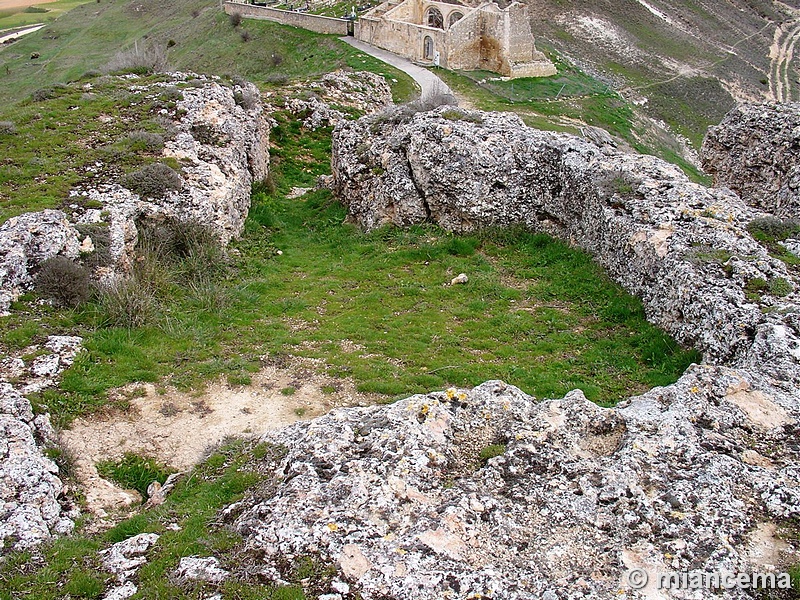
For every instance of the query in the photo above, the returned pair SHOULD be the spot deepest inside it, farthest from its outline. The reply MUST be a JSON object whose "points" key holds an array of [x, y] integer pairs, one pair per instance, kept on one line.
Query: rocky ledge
{"points": [[220, 140], [490, 494], [756, 152]]}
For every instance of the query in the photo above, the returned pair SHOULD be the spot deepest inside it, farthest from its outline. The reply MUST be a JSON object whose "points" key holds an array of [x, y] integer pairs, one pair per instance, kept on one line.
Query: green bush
{"points": [[153, 181], [771, 229], [134, 472], [63, 280]]}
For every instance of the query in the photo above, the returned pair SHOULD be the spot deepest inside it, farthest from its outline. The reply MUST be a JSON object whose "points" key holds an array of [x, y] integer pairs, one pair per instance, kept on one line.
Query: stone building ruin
{"points": [[457, 36]]}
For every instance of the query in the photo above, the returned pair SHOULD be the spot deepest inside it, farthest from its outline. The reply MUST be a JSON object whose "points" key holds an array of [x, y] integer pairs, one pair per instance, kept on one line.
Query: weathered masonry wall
{"points": [[316, 23]]}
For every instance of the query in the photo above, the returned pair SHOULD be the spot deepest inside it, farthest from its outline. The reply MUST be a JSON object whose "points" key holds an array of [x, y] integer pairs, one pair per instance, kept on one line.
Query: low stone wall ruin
{"points": [[317, 23]]}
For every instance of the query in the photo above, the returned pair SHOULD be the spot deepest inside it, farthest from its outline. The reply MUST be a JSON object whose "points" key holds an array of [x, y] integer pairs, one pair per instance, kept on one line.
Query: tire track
{"points": [[782, 54]]}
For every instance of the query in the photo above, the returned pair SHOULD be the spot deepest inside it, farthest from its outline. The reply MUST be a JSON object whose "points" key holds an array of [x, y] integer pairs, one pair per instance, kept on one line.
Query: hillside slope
{"points": [[686, 62], [193, 35]]}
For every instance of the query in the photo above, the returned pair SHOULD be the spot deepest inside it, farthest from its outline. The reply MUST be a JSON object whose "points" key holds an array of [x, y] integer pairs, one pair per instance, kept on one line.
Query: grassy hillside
{"points": [[685, 62], [195, 35]]}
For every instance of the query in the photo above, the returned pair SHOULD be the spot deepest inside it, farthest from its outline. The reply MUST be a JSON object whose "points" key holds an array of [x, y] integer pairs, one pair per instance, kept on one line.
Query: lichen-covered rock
{"points": [[222, 145], [681, 247], [26, 241], [755, 151], [195, 568], [572, 496], [362, 91], [29, 486]]}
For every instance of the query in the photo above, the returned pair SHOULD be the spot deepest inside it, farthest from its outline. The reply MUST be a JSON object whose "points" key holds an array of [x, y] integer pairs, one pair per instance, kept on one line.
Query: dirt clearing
{"points": [[179, 428]]}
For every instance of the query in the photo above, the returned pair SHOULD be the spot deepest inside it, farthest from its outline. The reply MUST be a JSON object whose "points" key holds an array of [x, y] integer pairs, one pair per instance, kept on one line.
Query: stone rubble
{"points": [[31, 510], [756, 152], [686, 477], [194, 568], [123, 560]]}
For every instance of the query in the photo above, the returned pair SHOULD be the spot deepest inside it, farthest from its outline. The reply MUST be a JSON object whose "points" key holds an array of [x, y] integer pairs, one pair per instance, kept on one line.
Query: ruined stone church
{"points": [[457, 36]]}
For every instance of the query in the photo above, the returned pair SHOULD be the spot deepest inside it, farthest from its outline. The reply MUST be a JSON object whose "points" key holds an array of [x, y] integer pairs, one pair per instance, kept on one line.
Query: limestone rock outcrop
{"points": [[29, 485], [26, 241], [755, 151], [406, 501], [324, 100], [681, 247]]}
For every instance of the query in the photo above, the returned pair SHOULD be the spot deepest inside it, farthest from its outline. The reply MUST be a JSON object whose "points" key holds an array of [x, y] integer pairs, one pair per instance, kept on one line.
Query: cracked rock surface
{"points": [[755, 151], [692, 476]]}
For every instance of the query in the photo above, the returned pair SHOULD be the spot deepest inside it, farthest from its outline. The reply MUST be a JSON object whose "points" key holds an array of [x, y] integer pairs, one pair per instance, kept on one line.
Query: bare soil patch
{"points": [[9, 4], [180, 428]]}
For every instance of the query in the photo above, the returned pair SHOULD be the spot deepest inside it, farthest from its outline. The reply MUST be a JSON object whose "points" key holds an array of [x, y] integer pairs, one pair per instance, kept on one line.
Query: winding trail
{"points": [[782, 53], [429, 83], [20, 33]]}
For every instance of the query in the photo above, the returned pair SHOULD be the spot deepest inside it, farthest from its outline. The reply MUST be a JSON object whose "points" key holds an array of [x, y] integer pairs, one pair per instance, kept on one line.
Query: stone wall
{"points": [[316, 23]]}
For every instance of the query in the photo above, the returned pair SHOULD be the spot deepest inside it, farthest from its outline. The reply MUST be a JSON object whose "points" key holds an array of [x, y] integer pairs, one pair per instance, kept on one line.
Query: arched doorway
{"points": [[434, 18], [454, 18], [427, 48]]}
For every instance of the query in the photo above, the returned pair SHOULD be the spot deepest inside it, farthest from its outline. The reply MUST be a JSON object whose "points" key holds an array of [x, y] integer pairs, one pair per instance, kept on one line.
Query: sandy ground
{"points": [[179, 428], [7, 4]]}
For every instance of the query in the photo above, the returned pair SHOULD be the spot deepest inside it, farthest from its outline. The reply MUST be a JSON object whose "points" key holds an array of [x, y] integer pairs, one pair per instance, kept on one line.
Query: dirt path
{"points": [[781, 55], [428, 82], [20, 33], [179, 428], [9, 4]]}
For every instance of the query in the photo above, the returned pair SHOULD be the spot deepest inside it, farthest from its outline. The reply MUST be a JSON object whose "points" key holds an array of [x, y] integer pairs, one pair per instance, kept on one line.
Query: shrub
{"points": [[145, 141], [134, 472], [153, 181], [277, 78], [195, 13], [126, 304], [236, 19], [191, 249], [7, 128], [770, 229], [63, 280], [142, 61], [275, 59], [43, 94], [245, 35], [171, 43]]}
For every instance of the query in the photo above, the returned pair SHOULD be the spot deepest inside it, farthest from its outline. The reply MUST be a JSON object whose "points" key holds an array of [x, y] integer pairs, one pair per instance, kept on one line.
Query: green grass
{"points": [[535, 312], [89, 36], [70, 566], [57, 142], [15, 18], [134, 472]]}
